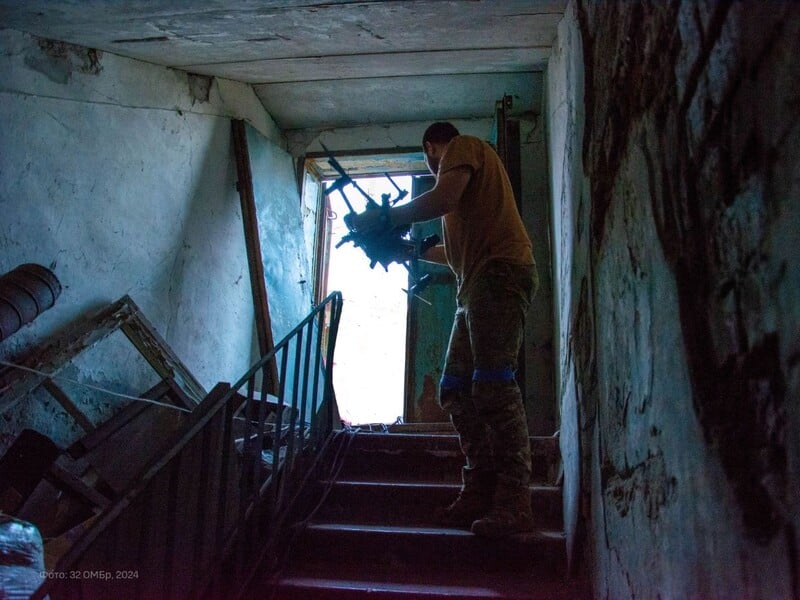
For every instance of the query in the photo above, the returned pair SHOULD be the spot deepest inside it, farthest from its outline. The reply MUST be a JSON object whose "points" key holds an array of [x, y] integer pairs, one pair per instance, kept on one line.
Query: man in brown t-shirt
{"points": [[488, 249]]}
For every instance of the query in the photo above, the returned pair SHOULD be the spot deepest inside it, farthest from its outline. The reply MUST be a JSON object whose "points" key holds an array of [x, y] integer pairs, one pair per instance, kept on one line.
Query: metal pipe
{"points": [[25, 292]]}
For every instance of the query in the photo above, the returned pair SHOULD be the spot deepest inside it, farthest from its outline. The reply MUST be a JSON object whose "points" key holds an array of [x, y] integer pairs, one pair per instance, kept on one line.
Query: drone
{"points": [[389, 244]]}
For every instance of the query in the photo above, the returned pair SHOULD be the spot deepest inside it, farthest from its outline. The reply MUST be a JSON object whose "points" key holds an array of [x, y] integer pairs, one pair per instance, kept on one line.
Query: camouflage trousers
{"points": [[478, 388]]}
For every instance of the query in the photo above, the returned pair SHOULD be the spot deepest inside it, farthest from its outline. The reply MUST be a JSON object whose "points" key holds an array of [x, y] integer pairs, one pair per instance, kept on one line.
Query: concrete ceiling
{"points": [[338, 63]]}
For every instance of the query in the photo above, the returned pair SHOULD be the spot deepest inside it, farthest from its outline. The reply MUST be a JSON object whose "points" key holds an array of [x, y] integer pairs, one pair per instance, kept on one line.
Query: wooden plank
{"points": [[63, 479], [179, 396], [66, 402], [252, 242], [155, 350], [119, 420], [122, 456], [124, 314], [53, 357]]}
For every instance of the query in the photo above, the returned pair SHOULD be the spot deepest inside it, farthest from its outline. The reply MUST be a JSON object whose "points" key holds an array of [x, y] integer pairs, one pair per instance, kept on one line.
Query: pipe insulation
{"points": [[25, 293]]}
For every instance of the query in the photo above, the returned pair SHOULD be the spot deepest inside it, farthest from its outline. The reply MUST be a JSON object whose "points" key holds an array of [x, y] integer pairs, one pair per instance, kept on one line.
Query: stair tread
{"points": [[417, 503], [535, 536], [429, 457], [367, 540], [427, 427], [448, 485], [378, 586], [506, 589], [433, 438], [478, 583]]}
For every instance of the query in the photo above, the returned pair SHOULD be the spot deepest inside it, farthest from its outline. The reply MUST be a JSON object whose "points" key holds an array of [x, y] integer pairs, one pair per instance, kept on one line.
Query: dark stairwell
{"points": [[257, 496], [373, 530]]}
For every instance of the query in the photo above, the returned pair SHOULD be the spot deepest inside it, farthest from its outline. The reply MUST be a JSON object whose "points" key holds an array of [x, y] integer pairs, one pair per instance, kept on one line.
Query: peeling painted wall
{"points": [[678, 306], [282, 233], [119, 176]]}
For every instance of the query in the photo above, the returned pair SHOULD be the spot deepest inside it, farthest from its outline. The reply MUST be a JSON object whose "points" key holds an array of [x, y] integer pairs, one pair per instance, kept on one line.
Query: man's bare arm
{"points": [[439, 201]]}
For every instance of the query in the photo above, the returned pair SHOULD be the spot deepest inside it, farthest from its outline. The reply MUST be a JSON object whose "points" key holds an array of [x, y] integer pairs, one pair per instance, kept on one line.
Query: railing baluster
{"points": [[276, 448], [222, 497], [146, 500], [304, 395], [171, 525], [198, 533], [317, 373], [262, 418], [293, 411], [336, 309]]}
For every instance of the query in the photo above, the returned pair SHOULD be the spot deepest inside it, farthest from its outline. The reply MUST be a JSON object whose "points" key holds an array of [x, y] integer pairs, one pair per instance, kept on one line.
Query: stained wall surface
{"points": [[564, 114], [119, 176], [678, 309]]}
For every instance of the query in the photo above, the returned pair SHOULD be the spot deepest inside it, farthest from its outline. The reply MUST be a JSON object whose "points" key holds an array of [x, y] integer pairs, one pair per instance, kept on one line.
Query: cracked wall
{"points": [[119, 176], [678, 288]]}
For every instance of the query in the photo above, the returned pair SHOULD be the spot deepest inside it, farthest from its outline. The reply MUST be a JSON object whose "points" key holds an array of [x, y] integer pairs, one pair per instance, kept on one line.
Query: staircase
{"points": [[375, 534]]}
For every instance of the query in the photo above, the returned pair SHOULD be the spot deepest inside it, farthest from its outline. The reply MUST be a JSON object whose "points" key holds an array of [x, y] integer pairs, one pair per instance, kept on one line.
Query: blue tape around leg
{"points": [[451, 382], [506, 374]]}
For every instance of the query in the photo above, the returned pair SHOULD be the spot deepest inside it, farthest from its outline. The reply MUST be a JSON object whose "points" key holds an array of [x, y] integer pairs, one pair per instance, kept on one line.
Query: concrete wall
{"points": [[119, 176], [678, 293]]}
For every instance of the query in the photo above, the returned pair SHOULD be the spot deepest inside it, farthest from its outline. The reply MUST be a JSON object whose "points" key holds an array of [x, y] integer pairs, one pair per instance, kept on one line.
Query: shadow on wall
{"points": [[716, 177]]}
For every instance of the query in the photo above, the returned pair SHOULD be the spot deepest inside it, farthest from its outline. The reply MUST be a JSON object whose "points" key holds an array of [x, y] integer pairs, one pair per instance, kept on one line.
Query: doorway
{"points": [[369, 367]]}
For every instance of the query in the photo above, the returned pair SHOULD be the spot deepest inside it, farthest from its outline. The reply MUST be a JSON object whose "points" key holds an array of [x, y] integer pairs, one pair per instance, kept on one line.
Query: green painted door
{"points": [[430, 317]]}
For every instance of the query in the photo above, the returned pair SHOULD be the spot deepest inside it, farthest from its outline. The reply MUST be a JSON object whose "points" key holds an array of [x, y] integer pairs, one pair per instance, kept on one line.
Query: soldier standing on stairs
{"points": [[488, 249]]}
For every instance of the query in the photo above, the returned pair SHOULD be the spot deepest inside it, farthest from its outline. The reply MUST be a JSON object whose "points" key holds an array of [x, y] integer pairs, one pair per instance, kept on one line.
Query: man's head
{"points": [[434, 142]]}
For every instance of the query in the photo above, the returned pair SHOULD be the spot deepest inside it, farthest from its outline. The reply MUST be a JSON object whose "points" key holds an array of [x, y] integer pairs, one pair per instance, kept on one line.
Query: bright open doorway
{"points": [[369, 367]]}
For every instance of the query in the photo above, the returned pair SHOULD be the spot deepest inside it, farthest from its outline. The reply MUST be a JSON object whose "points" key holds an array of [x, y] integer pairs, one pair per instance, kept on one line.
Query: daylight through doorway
{"points": [[369, 366]]}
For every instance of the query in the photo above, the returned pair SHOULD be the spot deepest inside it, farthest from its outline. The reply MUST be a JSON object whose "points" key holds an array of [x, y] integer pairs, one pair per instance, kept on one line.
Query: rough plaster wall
{"points": [[287, 269], [119, 176], [572, 339], [691, 354], [310, 213]]}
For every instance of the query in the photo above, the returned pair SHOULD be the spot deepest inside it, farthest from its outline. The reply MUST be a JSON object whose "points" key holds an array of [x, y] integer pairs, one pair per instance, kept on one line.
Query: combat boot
{"points": [[473, 501], [510, 514]]}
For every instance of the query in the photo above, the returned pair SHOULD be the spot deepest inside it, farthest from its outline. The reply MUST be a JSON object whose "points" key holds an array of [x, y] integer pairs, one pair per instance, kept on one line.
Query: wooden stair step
{"points": [[431, 441], [375, 534], [419, 549], [425, 457], [394, 503], [297, 587]]}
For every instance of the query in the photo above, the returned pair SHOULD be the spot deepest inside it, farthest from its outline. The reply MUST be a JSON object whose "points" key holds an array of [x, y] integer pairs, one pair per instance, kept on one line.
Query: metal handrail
{"points": [[217, 492]]}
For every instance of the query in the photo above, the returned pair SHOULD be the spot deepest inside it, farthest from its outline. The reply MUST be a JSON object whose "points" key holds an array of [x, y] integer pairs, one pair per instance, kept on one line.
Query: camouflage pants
{"points": [[478, 387]]}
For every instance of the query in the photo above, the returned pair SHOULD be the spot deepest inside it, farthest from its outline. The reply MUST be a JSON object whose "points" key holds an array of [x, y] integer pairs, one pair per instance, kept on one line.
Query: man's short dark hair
{"points": [[439, 133]]}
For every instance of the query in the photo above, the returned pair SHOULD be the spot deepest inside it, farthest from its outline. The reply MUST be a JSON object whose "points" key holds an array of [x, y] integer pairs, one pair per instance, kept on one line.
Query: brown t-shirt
{"points": [[486, 224]]}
